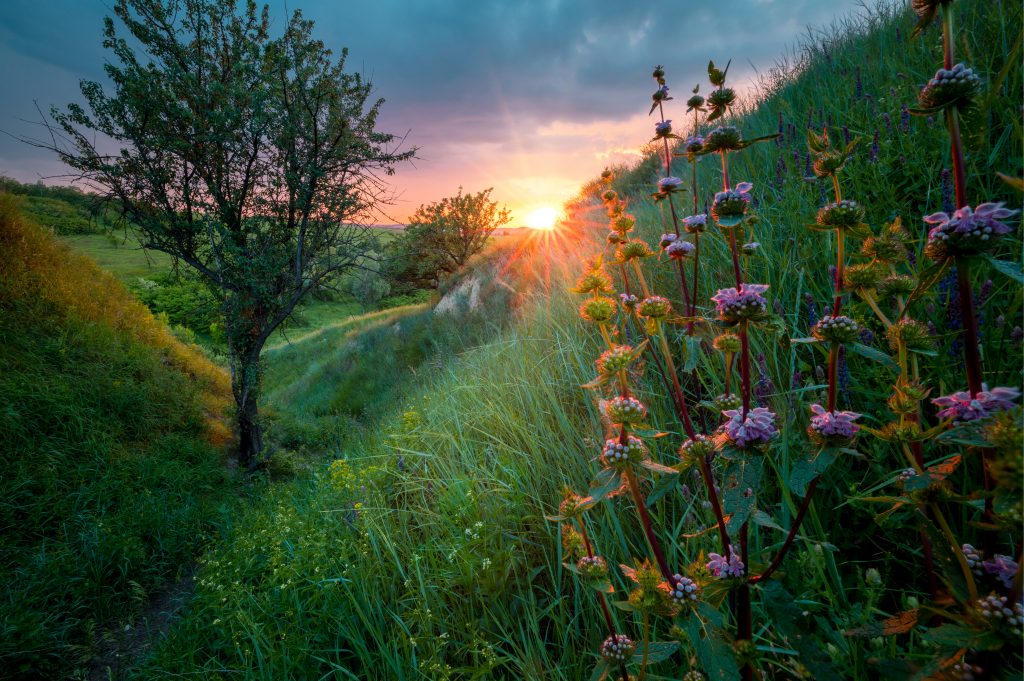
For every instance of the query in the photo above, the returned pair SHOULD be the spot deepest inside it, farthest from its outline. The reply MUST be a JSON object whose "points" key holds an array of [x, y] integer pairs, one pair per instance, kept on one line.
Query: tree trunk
{"points": [[250, 433]]}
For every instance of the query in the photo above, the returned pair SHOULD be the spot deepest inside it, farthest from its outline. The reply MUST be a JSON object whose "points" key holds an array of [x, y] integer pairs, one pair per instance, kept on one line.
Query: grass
{"points": [[113, 474], [122, 258]]}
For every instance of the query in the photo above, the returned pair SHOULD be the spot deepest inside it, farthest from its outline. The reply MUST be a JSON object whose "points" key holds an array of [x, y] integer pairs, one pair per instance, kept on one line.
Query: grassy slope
{"points": [[111, 473], [430, 557]]}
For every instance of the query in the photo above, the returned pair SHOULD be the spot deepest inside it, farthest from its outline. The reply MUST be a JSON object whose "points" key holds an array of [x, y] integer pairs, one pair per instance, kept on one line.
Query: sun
{"points": [[542, 218]]}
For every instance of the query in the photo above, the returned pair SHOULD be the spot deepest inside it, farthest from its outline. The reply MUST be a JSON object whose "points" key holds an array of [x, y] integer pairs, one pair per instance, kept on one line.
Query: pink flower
{"points": [[737, 304], [833, 425], [722, 567], [967, 231], [757, 428], [1002, 567], [960, 406], [679, 249]]}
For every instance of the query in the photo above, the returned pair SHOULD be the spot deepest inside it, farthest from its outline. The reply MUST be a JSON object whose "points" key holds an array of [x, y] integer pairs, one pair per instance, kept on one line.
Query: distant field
{"points": [[119, 256]]}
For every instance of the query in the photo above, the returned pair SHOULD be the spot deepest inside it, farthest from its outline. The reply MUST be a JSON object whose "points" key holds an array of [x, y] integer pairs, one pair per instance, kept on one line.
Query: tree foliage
{"points": [[254, 159]]}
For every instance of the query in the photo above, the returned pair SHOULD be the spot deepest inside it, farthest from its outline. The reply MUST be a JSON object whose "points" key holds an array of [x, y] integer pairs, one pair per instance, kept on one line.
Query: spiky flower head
{"points": [[694, 675], [695, 103], [829, 163], [623, 223], [695, 224], [1004, 617], [696, 448], [961, 407], [842, 214], [729, 206], [598, 310], [724, 138], [750, 248], [654, 307], [592, 567], [617, 648], [727, 343], [620, 455], [723, 567], [606, 175], [658, 73], [756, 428], [832, 427], [886, 248], [950, 87], [614, 238], [736, 305], [906, 396], [663, 128], [679, 249], [571, 506], [721, 99], [608, 195], [615, 208], [836, 329], [634, 248], [862, 276], [694, 144], [967, 231], [625, 411], [615, 360], [670, 184], [726, 402], [594, 281], [912, 333], [666, 239], [661, 95], [896, 285], [683, 590]]}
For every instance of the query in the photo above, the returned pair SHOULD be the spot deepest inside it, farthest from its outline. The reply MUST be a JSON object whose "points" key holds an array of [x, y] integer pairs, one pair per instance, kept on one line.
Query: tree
{"points": [[250, 158], [443, 235]]}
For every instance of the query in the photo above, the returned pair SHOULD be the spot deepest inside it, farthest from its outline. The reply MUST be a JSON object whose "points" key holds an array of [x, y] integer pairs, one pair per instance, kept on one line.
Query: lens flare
{"points": [[542, 218]]}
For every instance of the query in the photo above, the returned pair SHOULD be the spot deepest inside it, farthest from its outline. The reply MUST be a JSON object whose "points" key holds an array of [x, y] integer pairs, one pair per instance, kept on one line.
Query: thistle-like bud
{"points": [[694, 102], [727, 343], [729, 207], [886, 248], [658, 73], [598, 310], [654, 307], [571, 505], [620, 455], [727, 402], [628, 301], [623, 223], [721, 99], [909, 431], [617, 648], [679, 249], [906, 397], [845, 213], [614, 238], [663, 128], [913, 334], [594, 281], [950, 87], [897, 285], [592, 567], [724, 138], [625, 411], [840, 329], [666, 239], [634, 248], [829, 163], [609, 195], [695, 224], [615, 360], [865, 276], [696, 448]]}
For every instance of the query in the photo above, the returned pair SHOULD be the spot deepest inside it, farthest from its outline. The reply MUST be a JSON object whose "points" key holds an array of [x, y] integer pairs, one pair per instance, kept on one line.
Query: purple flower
{"points": [[679, 249], [960, 406], [875, 149], [1003, 567], [663, 129], [833, 426], [670, 184], [904, 119], [757, 428], [967, 231], [694, 143], [695, 223], [667, 239], [722, 567], [735, 304]]}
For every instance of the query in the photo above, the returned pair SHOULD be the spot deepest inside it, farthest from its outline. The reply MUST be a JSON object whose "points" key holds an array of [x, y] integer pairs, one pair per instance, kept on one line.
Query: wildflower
{"points": [[904, 119], [695, 224], [625, 411], [618, 648], [719, 100], [654, 307], [632, 249], [609, 195], [875, 149], [594, 281], [615, 238], [862, 276], [694, 143], [730, 205], [623, 223], [832, 427], [756, 428], [679, 249], [845, 213], [628, 301], [967, 231], [598, 310], [724, 138], [727, 343], [670, 184], [1003, 567], [659, 73], [684, 591], [696, 448], [615, 360], [592, 567], [750, 248], [897, 285], [950, 87], [694, 675], [617, 454], [735, 305], [695, 103], [961, 407], [725, 402], [836, 329], [722, 567], [663, 128], [887, 248], [661, 94], [666, 239], [572, 505], [913, 334], [999, 613]]}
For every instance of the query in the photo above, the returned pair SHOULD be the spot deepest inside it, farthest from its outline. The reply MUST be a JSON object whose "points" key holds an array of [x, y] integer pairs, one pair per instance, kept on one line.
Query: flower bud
{"points": [[683, 590], [609, 195], [592, 567], [663, 128], [623, 223], [694, 102], [913, 334], [614, 238], [635, 248], [594, 281], [694, 144], [570, 506], [620, 455], [695, 224], [617, 648], [625, 411], [839, 329], [845, 213], [727, 343], [666, 239], [660, 95], [866, 276], [722, 98], [659, 72], [654, 307], [949, 87], [727, 402], [828, 164], [628, 301], [750, 248], [885, 248], [679, 249], [614, 360], [598, 310], [606, 175], [724, 138], [896, 285], [696, 448]]}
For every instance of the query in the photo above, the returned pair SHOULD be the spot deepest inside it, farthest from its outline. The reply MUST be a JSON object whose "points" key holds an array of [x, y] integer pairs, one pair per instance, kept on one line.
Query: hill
{"points": [[111, 475]]}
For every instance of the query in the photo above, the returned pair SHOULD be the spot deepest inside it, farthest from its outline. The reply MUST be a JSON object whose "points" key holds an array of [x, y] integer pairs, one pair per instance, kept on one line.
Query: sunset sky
{"points": [[532, 98]]}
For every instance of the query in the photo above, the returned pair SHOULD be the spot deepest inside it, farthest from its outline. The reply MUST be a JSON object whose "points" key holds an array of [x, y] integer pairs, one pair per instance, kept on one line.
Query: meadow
{"points": [[419, 516]]}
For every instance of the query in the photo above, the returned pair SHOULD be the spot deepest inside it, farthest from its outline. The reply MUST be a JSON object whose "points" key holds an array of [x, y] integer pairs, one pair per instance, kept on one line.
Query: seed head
{"points": [[912, 333], [840, 329], [598, 310], [618, 648], [843, 214], [727, 343], [592, 567], [654, 307], [625, 411], [615, 360], [863, 276], [634, 248], [594, 281], [896, 285], [724, 138]]}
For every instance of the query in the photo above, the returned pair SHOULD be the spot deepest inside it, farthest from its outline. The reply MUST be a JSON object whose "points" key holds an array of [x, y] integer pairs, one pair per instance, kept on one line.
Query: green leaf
{"points": [[806, 470], [624, 605], [1010, 269], [798, 631], [740, 482], [713, 651], [754, 140], [600, 672], [657, 467], [656, 651], [692, 349], [764, 520], [957, 636], [805, 340], [664, 485], [606, 482], [926, 279], [876, 355]]}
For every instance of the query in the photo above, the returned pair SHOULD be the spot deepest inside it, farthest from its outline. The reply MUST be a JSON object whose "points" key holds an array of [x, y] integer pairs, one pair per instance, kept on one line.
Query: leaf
{"points": [[926, 279], [1010, 269], [808, 340], [713, 651], [607, 481], [806, 470], [600, 672], [873, 354], [900, 623], [656, 651], [754, 140], [957, 636], [692, 348], [764, 520], [798, 631], [664, 485], [651, 465], [815, 142], [1014, 182], [739, 485], [625, 606]]}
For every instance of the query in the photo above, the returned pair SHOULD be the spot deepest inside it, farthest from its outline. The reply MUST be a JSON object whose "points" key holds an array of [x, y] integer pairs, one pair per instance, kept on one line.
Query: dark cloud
{"points": [[457, 74]]}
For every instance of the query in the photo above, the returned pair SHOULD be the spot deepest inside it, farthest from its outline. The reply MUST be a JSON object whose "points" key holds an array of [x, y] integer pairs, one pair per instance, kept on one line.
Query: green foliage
{"points": [[185, 302], [65, 210]]}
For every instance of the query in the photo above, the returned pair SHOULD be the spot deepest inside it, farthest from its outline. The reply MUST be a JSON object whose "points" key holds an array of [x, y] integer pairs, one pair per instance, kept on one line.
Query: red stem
{"points": [[645, 520], [790, 536]]}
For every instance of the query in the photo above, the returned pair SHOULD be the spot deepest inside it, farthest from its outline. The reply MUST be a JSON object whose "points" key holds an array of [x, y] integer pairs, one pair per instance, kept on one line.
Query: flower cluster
{"points": [[837, 329], [598, 310], [654, 307], [832, 427], [724, 138], [625, 410], [615, 360], [684, 591], [967, 231], [592, 567], [616, 453], [720, 566], [843, 213], [679, 249], [960, 406], [695, 224], [667, 185], [756, 428], [950, 86], [618, 648], [1000, 613], [730, 205], [736, 305]]}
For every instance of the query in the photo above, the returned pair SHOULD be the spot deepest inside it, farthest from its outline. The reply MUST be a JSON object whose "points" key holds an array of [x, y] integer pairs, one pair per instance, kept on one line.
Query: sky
{"points": [[530, 97]]}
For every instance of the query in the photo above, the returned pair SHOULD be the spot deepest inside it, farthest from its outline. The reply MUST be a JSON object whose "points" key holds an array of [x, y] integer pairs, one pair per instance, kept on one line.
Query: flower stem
{"points": [[870, 300], [645, 520], [646, 644], [684, 412], [940, 520], [790, 536]]}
